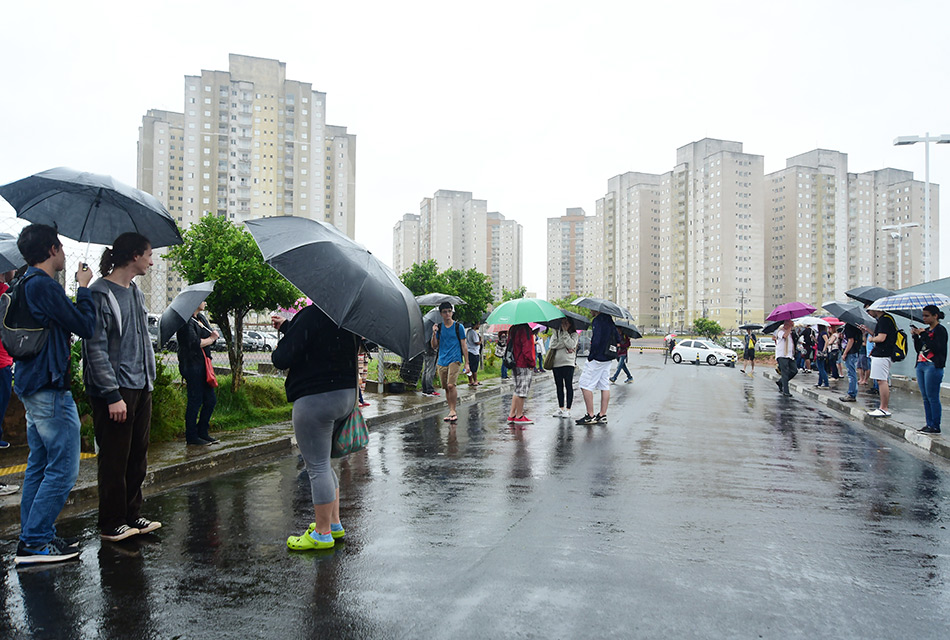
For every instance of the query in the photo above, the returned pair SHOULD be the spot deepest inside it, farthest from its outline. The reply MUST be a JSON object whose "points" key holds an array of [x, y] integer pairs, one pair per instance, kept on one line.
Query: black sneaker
{"points": [[47, 553], [587, 419], [66, 544], [121, 532], [847, 399], [145, 526], [929, 430], [600, 419]]}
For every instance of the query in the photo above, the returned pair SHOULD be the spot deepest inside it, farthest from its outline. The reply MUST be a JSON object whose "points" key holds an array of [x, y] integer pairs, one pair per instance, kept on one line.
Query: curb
{"points": [[85, 497], [859, 414]]}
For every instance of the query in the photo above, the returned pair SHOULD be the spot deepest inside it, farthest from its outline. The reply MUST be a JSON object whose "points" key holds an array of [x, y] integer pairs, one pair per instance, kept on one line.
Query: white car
{"points": [[270, 340], [708, 352], [765, 344]]}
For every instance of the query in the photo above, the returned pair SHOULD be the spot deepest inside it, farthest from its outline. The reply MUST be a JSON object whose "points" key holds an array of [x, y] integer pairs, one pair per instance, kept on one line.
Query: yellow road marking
{"points": [[20, 468]]}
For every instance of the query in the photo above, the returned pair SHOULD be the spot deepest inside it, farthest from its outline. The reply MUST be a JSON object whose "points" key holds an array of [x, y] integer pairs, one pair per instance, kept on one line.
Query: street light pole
{"points": [[899, 236], [926, 139]]}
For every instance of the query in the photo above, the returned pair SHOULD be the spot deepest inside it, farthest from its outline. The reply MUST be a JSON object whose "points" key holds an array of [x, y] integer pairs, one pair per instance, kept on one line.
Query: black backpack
{"points": [[22, 336]]}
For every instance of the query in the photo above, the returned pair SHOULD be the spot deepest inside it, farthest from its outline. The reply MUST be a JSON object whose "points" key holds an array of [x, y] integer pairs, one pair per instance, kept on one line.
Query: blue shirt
{"points": [[48, 303], [449, 348]]}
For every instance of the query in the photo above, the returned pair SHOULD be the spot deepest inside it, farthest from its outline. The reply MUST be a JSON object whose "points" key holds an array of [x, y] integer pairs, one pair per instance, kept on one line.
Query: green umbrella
{"points": [[523, 310]]}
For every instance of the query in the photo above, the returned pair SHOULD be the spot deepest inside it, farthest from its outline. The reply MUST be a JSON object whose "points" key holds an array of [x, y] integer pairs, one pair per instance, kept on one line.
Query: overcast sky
{"points": [[531, 106]]}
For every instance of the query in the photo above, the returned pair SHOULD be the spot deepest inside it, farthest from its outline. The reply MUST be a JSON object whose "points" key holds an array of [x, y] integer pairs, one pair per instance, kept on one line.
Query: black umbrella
{"points": [[88, 207], [181, 309], [435, 299], [348, 283], [750, 325], [629, 329], [603, 306], [850, 312], [770, 328], [580, 322], [867, 295], [10, 258]]}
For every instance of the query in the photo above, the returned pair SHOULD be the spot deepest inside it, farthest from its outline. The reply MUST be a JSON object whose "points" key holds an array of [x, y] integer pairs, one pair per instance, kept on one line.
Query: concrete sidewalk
{"points": [[172, 464], [906, 407]]}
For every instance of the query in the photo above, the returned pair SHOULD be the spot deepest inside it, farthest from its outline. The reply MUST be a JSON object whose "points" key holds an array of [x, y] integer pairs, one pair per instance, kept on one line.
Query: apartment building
{"points": [[252, 144], [458, 232], [406, 243], [566, 241]]}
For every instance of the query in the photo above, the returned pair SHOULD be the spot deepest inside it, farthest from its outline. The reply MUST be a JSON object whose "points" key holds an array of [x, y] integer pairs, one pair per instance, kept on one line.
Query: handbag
{"points": [[350, 434], [548, 363], [210, 377]]}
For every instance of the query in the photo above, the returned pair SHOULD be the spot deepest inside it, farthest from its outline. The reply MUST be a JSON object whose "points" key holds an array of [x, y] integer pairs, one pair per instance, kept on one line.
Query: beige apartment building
{"points": [[566, 241], [251, 143], [458, 232]]}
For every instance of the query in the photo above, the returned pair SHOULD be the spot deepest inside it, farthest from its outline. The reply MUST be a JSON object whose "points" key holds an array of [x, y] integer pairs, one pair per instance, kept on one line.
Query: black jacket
{"points": [[936, 342], [190, 354], [318, 355]]}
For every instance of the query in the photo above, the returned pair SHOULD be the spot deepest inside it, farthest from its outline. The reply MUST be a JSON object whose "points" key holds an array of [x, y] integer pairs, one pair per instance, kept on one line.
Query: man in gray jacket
{"points": [[119, 372]]}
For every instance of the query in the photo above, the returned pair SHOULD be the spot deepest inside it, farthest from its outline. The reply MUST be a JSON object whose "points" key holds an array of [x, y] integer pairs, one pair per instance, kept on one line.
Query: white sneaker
{"points": [[566, 413], [8, 489], [559, 413]]}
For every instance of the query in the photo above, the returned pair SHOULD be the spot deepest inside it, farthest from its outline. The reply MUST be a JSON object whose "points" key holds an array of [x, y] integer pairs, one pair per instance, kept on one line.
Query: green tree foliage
{"points": [[708, 328], [473, 287], [565, 303], [215, 249], [507, 294]]}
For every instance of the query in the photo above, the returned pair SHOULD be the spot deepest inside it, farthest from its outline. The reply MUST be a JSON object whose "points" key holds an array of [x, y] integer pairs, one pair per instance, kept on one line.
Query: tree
{"points": [[473, 287], [508, 294], [707, 328], [215, 249], [565, 303]]}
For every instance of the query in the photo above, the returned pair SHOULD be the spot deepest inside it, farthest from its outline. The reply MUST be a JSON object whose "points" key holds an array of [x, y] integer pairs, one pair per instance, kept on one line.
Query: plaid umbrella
{"points": [[790, 311], [912, 300]]}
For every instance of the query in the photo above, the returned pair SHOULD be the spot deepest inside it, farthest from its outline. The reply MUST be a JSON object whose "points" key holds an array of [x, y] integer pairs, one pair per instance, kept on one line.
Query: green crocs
{"points": [[307, 542]]}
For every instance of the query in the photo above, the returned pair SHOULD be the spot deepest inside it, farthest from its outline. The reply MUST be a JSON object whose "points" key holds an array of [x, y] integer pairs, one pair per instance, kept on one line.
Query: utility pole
{"points": [[742, 300]]}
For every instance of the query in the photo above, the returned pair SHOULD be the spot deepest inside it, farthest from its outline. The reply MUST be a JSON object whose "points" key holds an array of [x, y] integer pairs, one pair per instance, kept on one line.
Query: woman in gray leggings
{"points": [[320, 359]]}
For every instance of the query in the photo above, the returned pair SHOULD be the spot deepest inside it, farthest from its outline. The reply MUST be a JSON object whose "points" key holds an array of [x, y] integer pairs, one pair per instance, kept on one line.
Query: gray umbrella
{"points": [[435, 299], [603, 306], [88, 207], [852, 313], [348, 283], [10, 258], [867, 295], [580, 322], [629, 329], [182, 307]]}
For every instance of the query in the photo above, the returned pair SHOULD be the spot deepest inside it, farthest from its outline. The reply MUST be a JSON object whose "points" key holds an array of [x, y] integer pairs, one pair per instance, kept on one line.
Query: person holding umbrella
{"points": [[785, 346], [884, 337], [622, 347], [521, 344], [564, 344], [748, 349], [931, 346], [119, 372], [195, 338], [596, 373], [320, 360]]}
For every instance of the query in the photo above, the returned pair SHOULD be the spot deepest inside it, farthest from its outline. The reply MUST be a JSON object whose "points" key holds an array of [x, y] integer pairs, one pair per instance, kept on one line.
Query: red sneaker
{"points": [[523, 420]]}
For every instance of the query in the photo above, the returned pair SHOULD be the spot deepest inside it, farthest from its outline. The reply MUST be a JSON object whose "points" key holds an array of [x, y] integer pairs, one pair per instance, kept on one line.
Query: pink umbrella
{"points": [[497, 328], [833, 321], [790, 311]]}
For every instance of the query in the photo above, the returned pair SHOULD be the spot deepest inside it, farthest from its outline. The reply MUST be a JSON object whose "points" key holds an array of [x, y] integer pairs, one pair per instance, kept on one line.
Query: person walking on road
{"points": [[521, 345], [851, 354], [322, 380], [43, 385], [622, 347], [785, 349], [596, 373], [748, 350], [473, 344], [821, 356], [448, 339], [564, 344], [119, 373], [931, 346], [884, 337], [195, 338]]}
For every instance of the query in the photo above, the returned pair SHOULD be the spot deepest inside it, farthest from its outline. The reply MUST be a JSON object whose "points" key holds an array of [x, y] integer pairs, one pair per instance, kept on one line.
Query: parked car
{"points": [[270, 340], [708, 352], [261, 341], [765, 344], [252, 341], [219, 344], [732, 343], [153, 335]]}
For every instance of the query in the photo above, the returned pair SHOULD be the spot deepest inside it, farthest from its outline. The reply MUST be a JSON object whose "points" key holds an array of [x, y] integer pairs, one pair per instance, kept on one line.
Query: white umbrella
{"points": [[811, 321]]}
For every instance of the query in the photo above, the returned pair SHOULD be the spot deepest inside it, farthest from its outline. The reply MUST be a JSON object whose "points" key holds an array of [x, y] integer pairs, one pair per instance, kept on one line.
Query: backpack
{"points": [[900, 343], [22, 336]]}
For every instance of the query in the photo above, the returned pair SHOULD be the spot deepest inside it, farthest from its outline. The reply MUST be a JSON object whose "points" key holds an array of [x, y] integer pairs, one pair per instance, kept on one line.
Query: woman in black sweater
{"points": [[320, 359], [931, 345], [194, 345]]}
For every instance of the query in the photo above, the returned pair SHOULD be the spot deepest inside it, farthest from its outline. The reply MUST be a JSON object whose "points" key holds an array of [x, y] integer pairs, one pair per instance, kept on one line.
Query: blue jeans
{"points": [[822, 373], [851, 363], [6, 387], [621, 366], [52, 431], [929, 378]]}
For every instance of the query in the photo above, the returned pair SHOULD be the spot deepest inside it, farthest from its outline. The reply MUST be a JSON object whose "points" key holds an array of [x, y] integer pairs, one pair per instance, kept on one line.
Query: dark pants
{"points": [[123, 457], [564, 381], [6, 388], [201, 401], [789, 370], [428, 373]]}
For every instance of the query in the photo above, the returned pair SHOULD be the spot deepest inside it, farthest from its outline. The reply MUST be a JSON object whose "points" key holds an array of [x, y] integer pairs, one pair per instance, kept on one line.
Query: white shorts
{"points": [[880, 368], [595, 376]]}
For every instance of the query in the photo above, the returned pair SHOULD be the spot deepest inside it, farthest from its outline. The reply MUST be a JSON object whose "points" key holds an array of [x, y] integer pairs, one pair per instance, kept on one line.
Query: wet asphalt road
{"points": [[708, 507]]}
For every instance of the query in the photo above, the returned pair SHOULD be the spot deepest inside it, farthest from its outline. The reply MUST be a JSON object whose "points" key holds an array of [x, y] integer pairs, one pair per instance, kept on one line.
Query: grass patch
{"points": [[257, 402]]}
